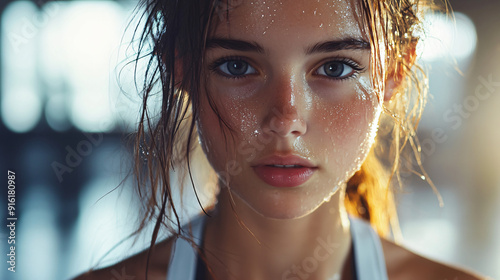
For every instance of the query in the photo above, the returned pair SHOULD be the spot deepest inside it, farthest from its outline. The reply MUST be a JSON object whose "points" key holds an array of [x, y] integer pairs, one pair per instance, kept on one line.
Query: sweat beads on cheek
{"points": [[334, 122]]}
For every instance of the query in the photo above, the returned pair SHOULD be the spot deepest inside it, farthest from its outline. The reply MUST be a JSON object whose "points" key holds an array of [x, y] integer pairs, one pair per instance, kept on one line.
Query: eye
{"points": [[236, 68], [337, 70]]}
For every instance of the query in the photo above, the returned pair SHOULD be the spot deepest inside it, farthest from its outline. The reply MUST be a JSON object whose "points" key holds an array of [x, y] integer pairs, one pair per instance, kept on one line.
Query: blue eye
{"points": [[236, 68], [336, 69]]}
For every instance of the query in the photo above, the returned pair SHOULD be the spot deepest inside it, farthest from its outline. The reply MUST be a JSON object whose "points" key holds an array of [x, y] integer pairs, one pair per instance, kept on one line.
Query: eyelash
{"points": [[357, 69], [214, 66]]}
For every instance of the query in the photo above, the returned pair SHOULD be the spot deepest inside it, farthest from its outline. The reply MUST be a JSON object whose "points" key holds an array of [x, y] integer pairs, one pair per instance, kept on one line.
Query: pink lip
{"points": [[284, 176]]}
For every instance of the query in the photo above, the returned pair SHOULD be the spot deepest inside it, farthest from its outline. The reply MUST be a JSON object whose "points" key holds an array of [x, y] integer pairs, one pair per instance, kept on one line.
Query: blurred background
{"points": [[68, 101]]}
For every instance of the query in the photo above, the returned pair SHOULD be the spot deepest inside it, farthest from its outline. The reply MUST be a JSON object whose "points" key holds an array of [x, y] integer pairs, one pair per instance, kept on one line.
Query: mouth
{"points": [[289, 160], [283, 176], [284, 171]]}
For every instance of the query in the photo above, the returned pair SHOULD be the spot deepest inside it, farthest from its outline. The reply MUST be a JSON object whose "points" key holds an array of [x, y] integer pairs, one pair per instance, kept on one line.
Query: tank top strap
{"points": [[368, 254], [184, 257]]}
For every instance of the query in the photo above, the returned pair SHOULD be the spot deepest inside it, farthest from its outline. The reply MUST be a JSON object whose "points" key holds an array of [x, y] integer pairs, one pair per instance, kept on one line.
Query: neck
{"points": [[242, 244]]}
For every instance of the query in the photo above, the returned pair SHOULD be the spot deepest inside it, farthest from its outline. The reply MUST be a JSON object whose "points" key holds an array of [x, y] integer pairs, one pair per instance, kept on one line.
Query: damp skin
{"points": [[285, 104]]}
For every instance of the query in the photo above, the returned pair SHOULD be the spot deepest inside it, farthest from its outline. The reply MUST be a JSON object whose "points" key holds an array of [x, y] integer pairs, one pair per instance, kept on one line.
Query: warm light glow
{"points": [[444, 38]]}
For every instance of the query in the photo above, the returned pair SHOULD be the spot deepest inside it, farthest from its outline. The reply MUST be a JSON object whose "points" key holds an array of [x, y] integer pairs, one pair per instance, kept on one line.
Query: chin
{"points": [[283, 207]]}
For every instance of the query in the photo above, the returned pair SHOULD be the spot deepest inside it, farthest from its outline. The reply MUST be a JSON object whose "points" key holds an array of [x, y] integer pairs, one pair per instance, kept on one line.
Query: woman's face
{"points": [[291, 79]]}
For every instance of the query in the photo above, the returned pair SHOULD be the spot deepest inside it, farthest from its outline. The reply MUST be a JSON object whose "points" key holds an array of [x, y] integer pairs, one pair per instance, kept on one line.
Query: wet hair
{"points": [[172, 40]]}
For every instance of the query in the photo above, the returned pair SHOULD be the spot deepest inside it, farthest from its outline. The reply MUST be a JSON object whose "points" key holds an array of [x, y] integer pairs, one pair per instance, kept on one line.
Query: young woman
{"points": [[301, 108]]}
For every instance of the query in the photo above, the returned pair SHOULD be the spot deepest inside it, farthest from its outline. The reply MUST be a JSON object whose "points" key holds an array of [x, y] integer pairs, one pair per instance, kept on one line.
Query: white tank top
{"points": [[368, 255]]}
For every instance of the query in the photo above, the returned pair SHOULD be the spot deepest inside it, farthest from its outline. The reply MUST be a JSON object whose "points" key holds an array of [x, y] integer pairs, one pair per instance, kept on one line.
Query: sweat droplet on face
{"points": [[340, 116], [364, 89], [264, 14], [347, 25]]}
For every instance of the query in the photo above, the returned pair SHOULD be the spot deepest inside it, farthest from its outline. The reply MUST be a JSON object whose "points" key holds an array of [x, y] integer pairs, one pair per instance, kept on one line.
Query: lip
{"points": [[284, 160], [284, 176]]}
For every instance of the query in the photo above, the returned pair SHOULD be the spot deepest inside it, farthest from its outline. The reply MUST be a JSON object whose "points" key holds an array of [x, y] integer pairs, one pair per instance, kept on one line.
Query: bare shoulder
{"points": [[403, 264], [134, 267]]}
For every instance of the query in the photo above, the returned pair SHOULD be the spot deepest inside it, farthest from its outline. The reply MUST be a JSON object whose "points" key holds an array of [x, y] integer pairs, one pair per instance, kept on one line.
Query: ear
{"points": [[397, 73], [391, 87]]}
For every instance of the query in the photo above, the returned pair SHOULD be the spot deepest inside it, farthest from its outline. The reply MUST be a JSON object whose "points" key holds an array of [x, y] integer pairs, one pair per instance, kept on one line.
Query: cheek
{"points": [[221, 140], [352, 123], [347, 131]]}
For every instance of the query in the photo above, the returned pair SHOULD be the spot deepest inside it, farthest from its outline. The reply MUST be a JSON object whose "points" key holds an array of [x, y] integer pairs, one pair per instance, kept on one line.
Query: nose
{"points": [[286, 116]]}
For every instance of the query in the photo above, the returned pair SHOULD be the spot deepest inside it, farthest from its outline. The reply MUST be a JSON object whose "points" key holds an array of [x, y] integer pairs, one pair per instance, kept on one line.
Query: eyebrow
{"points": [[232, 44], [338, 45], [322, 47]]}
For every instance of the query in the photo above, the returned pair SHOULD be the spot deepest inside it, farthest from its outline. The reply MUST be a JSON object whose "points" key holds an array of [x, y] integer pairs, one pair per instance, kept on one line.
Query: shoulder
{"points": [[403, 264], [134, 267]]}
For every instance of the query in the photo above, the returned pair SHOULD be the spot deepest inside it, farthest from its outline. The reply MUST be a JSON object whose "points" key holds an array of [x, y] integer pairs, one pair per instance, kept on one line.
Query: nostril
{"points": [[285, 117], [290, 125]]}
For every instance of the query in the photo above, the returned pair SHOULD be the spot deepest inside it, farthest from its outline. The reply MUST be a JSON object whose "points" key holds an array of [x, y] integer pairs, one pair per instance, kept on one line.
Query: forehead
{"points": [[297, 18]]}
